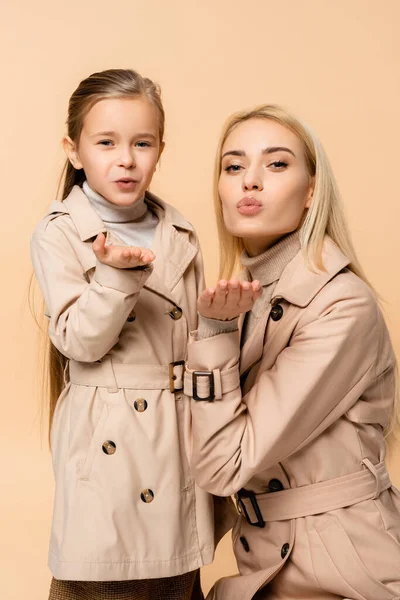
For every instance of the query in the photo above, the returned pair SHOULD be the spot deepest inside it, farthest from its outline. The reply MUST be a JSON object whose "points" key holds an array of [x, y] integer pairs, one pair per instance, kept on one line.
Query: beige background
{"points": [[335, 62]]}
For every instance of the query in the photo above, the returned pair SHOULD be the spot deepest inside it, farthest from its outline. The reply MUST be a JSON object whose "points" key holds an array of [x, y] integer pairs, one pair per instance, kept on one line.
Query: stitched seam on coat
{"points": [[311, 558]]}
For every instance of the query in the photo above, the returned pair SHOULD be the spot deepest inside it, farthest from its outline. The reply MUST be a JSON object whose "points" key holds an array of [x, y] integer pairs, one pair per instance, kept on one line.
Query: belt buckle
{"points": [[252, 497], [210, 375], [172, 376]]}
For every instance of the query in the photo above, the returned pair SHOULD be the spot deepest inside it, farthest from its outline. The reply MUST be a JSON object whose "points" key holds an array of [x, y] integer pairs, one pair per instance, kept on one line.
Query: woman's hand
{"points": [[228, 299], [121, 257]]}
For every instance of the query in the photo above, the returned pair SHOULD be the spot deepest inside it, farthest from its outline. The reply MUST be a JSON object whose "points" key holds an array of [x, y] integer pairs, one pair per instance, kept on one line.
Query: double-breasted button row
{"points": [[109, 447]]}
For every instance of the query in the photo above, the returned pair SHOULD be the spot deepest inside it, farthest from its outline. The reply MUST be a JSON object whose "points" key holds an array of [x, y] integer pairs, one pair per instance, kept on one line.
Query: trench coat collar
{"points": [[298, 286], [89, 224], [172, 247]]}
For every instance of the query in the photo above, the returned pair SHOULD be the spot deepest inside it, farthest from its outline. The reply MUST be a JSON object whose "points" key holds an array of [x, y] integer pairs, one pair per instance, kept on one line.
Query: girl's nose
{"points": [[126, 159]]}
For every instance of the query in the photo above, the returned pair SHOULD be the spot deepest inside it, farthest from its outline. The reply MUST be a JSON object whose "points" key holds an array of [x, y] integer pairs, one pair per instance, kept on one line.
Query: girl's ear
{"points": [[310, 193], [71, 151], [162, 146]]}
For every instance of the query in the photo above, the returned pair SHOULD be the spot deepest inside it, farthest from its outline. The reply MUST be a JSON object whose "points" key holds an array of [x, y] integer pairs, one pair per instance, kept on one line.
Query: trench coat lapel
{"points": [[172, 247], [298, 285]]}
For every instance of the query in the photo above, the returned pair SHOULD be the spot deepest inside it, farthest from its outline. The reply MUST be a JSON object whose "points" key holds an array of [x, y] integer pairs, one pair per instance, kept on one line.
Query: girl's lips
{"points": [[126, 184]]}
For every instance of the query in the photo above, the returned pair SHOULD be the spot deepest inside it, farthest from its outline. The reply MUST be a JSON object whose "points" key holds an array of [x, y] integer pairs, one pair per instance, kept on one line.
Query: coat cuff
{"points": [[127, 281], [210, 327]]}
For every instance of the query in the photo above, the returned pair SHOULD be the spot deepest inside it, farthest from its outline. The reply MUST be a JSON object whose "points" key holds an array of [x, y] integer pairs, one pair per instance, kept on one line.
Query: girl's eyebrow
{"points": [[269, 150], [112, 133], [105, 133]]}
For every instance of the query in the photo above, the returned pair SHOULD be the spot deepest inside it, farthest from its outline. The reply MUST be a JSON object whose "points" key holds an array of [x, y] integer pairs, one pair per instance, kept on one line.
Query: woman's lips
{"points": [[249, 206], [126, 184]]}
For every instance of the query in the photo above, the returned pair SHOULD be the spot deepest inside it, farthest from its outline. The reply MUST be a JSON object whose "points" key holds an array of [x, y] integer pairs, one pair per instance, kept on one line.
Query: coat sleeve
{"points": [[85, 319], [329, 362]]}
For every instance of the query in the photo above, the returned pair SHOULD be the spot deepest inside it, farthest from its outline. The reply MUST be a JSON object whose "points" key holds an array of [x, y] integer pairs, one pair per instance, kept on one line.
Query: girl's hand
{"points": [[229, 299], [121, 257]]}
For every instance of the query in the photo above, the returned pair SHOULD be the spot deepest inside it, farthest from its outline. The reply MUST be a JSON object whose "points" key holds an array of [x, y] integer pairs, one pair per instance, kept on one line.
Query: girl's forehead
{"points": [[125, 112]]}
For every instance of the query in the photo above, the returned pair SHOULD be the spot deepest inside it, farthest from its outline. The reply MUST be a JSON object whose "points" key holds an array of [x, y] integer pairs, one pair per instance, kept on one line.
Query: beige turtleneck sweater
{"points": [[267, 268]]}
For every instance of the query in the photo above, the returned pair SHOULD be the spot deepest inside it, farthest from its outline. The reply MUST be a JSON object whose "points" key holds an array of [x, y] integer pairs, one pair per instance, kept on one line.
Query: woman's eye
{"points": [[143, 144], [278, 164], [232, 168]]}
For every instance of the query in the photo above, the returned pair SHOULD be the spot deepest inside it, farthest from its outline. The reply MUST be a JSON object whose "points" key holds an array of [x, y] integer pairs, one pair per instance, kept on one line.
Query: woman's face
{"points": [[264, 185]]}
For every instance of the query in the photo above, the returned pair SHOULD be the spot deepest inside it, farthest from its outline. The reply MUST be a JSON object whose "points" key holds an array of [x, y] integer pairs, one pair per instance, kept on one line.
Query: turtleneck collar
{"points": [[269, 266], [112, 213]]}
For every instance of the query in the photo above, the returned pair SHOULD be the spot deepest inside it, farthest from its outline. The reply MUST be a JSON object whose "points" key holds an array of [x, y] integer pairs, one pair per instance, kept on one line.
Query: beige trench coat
{"points": [[126, 506], [304, 433]]}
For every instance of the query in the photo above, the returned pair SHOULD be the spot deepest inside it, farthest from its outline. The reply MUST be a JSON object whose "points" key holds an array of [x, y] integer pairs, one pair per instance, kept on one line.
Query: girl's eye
{"points": [[232, 168], [105, 143], [143, 144], [279, 164]]}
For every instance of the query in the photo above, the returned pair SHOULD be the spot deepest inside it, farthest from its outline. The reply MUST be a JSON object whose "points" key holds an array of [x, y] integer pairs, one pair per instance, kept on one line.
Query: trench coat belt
{"points": [[114, 376], [322, 497]]}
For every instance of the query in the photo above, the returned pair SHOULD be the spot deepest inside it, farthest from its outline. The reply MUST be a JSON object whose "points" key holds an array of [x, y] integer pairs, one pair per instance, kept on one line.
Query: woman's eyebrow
{"points": [[234, 153], [269, 150], [272, 149]]}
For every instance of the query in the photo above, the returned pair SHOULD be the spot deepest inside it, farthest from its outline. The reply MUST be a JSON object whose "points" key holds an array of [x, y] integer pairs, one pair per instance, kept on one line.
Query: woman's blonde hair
{"points": [[325, 216], [112, 83]]}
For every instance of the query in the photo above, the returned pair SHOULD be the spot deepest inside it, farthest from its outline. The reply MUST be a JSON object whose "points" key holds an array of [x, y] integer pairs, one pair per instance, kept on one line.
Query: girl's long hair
{"points": [[112, 83]]}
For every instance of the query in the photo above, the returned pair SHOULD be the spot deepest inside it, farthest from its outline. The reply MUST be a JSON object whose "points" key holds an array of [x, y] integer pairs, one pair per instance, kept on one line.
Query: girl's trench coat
{"points": [[301, 440], [126, 506]]}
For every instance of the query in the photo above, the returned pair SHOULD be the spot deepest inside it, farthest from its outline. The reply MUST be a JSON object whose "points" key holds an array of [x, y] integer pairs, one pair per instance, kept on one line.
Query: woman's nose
{"points": [[252, 180]]}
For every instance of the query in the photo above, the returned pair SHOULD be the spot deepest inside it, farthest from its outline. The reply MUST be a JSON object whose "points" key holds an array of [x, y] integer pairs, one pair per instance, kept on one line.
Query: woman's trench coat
{"points": [[126, 506], [301, 440]]}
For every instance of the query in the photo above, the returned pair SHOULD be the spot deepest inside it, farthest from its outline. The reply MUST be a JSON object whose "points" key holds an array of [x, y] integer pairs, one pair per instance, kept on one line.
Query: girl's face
{"points": [[264, 184], [118, 148]]}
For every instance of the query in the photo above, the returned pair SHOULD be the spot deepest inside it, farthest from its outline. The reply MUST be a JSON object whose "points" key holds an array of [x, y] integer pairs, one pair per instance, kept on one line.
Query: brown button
{"points": [[140, 404], [245, 543], [147, 496], [109, 447], [175, 313], [276, 312], [285, 549], [275, 485]]}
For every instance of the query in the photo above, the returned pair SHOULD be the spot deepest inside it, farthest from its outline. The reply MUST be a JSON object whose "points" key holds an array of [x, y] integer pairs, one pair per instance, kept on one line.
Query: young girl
{"points": [[129, 523], [291, 417]]}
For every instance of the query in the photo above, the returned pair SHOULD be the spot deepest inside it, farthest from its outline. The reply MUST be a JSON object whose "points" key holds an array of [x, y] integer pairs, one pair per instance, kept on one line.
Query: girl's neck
{"points": [[112, 213]]}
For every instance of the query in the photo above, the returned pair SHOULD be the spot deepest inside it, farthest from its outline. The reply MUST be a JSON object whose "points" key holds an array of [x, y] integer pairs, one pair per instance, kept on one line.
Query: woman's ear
{"points": [[310, 193], [71, 151]]}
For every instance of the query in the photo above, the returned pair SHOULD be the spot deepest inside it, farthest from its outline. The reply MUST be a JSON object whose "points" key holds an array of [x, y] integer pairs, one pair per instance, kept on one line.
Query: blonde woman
{"points": [[290, 407]]}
